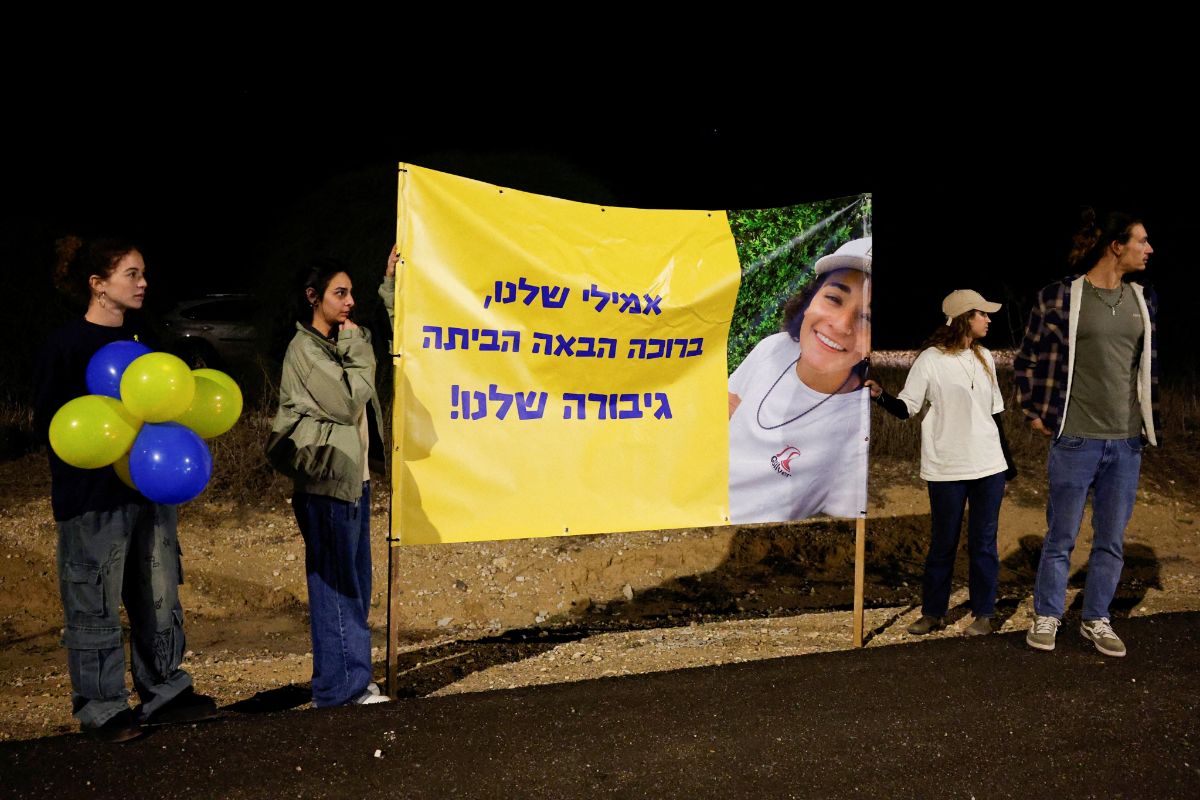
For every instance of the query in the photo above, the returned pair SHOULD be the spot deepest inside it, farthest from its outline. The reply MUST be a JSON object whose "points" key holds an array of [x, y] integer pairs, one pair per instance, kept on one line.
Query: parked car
{"points": [[213, 331]]}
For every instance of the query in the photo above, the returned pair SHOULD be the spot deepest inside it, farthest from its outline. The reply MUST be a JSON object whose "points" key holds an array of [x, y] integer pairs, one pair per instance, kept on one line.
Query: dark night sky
{"points": [[201, 180]]}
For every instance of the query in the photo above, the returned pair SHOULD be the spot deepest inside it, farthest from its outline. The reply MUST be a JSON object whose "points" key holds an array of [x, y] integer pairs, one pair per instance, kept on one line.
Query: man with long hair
{"points": [[1087, 373]]}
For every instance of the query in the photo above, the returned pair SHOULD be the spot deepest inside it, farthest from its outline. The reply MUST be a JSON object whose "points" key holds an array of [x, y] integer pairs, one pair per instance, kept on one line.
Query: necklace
{"points": [[970, 375], [1111, 306], [814, 407]]}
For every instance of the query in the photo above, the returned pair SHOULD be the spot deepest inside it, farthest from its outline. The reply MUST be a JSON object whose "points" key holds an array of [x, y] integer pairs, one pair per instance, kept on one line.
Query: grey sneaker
{"points": [[1041, 635], [1102, 635], [926, 624], [981, 626]]}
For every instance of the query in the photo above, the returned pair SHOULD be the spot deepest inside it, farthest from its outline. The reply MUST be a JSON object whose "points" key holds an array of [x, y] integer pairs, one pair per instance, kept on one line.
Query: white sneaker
{"points": [[370, 696]]}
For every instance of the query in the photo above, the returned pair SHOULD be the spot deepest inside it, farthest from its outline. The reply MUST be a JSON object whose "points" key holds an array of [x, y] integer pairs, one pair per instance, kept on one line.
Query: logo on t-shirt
{"points": [[781, 462]]}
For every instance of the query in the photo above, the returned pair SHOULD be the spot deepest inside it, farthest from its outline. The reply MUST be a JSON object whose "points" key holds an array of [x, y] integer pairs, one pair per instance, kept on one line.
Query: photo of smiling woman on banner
{"points": [[798, 423]]}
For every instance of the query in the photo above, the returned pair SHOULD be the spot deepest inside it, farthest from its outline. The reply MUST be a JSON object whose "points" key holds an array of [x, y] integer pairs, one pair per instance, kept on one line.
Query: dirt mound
{"points": [[500, 614]]}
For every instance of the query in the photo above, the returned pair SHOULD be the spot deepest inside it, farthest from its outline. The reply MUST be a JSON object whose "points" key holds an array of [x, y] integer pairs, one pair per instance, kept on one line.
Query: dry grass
{"points": [[241, 474], [16, 429], [1173, 467], [894, 438]]}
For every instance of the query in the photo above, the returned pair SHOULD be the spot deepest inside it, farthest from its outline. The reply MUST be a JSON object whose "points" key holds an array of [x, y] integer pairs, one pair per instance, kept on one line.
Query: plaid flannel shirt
{"points": [[1041, 364]]}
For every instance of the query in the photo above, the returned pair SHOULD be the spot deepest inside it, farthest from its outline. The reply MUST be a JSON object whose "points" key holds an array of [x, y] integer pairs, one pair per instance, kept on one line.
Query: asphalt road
{"points": [[982, 718]]}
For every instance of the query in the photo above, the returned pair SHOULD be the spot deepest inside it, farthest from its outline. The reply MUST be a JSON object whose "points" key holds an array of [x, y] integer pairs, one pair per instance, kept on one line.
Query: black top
{"points": [[59, 375]]}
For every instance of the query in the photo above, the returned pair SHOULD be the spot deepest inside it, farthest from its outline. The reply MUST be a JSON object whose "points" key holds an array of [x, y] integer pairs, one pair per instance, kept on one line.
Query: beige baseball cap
{"points": [[960, 301], [854, 254]]}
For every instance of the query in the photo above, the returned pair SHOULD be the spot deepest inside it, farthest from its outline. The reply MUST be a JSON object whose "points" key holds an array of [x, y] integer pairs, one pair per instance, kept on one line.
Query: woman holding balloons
{"points": [[326, 432], [114, 545]]}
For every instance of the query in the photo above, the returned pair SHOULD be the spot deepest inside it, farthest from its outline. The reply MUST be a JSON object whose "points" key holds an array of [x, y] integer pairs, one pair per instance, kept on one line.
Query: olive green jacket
{"points": [[387, 291], [324, 387]]}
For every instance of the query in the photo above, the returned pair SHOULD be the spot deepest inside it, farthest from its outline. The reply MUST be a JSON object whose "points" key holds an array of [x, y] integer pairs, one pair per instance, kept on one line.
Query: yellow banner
{"points": [[562, 365]]}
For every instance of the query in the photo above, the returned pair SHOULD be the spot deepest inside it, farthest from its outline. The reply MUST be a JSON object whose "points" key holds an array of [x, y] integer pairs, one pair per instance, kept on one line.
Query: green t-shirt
{"points": [[1108, 346]]}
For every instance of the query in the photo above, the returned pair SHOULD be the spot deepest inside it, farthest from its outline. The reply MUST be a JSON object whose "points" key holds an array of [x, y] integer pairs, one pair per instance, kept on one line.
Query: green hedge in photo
{"points": [[777, 248]]}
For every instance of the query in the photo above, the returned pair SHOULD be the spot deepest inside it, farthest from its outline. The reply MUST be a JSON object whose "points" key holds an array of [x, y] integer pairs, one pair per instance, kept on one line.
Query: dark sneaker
{"points": [[1100, 632], [982, 626], [187, 706], [926, 624], [1041, 635], [121, 727]]}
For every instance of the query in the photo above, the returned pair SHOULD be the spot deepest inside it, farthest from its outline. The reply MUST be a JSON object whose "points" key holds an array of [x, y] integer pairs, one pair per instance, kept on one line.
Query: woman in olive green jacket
{"points": [[327, 436]]}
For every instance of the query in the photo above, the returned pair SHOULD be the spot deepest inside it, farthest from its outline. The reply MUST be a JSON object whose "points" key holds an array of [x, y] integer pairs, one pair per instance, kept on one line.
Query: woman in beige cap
{"points": [[964, 456]]}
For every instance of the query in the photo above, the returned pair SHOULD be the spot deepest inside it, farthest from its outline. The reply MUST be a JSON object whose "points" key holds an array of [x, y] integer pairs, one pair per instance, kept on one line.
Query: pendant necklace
{"points": [[818, 404], [1111, 306], [970, 375]]}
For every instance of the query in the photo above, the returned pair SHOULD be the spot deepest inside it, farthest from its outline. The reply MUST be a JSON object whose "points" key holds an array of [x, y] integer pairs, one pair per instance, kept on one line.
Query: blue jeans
{"points": [[1109, 468], [947, 501], [337, 558], [128, 554]]}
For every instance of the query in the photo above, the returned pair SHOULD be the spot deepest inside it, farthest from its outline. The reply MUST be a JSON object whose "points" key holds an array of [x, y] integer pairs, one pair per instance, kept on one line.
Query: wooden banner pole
{"points": [[860, 564], [393, 608], [397, 442], [394, 537]]}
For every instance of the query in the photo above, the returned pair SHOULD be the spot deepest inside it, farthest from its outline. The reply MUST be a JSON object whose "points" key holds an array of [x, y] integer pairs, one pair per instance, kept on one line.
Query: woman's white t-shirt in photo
{"points": [[816, 464]]}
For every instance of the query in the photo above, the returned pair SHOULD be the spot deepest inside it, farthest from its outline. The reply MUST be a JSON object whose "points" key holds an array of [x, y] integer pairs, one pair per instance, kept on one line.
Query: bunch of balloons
{"points": [[147, 416]]}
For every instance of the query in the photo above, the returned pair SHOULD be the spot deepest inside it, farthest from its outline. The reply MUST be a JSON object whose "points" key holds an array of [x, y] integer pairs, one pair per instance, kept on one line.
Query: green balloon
{"points": [[216, 405], [93, 431], [157, 387]]}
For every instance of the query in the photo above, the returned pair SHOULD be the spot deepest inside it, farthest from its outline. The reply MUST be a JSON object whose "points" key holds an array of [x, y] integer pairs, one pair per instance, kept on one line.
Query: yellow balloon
{"points": [[215, 407], [121, 467], [218, 376], [93, 431], [157, 387]]}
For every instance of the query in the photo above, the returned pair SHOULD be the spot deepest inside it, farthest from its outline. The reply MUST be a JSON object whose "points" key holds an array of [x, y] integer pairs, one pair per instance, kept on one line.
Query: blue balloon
{"points": [[169, 462], [108, 364]]}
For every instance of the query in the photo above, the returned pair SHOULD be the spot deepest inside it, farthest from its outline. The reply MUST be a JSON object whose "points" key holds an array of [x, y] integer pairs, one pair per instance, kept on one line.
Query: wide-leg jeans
{"points": [[337, 559]]}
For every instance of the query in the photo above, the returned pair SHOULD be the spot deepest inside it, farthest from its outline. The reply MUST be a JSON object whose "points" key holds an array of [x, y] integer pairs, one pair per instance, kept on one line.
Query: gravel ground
{"points": [[507, 614]]}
